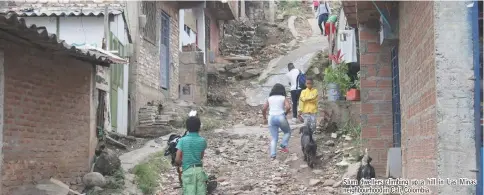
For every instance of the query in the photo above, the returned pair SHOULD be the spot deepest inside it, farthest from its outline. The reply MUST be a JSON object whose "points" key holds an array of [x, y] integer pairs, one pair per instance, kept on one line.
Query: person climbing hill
{"points": [[322, 14]]}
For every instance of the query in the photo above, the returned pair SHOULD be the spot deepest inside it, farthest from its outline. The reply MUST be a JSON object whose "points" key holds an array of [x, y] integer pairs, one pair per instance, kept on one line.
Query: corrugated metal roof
{"points": [[14, 26], [59, 12]]}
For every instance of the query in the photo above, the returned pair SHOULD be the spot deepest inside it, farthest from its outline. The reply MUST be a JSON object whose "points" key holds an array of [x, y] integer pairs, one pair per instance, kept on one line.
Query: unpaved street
{"points": [[239, 158]]}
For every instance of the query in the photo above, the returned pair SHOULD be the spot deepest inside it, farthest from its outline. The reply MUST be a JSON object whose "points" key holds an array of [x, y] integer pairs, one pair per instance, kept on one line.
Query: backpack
{"points": [[301, 80]]}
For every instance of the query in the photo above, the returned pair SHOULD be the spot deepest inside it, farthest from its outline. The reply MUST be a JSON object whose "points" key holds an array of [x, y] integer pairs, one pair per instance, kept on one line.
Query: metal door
{"points": [[165, 51], [397, 131]]}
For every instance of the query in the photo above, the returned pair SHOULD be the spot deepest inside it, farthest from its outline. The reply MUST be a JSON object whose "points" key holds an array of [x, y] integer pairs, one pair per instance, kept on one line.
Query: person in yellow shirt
{"points": [[308, 104]]}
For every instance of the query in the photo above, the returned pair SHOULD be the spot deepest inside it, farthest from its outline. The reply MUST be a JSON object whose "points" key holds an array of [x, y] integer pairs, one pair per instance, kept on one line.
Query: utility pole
{"points": [[106, 29]]}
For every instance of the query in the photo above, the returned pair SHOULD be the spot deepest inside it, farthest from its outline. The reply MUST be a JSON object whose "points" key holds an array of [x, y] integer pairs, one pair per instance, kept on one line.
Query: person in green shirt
{"points": [[191, 149]]}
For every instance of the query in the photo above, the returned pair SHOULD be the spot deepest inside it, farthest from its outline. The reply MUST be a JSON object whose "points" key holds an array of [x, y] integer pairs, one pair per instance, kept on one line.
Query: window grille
{"points": [[149, 30], [397, 131]]}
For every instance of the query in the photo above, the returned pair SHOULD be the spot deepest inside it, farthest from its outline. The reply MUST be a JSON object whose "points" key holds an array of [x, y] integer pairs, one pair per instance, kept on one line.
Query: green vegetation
{"points": [[354, 131], [209, 123], [116, 181], [291, 7], [356, 83], [148, 173], [339, 76], [350, 129]]}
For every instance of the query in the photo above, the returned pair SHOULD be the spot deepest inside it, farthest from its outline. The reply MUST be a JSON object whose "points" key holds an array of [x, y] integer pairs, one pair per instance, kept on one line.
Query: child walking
{"points": [[308, 104], [191, 149]]}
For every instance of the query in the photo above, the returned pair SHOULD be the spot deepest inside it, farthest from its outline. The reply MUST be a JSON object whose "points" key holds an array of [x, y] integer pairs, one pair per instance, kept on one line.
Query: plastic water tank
{"points": [[333, 92]]}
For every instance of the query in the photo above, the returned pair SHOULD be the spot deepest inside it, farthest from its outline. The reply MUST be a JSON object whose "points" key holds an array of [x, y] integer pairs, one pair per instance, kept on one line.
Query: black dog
{"points": [[366, 171], [308, 145]]}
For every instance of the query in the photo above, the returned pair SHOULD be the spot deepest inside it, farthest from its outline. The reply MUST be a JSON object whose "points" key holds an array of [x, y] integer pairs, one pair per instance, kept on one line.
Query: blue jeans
{"points": [[322, 21], [277, 122]]}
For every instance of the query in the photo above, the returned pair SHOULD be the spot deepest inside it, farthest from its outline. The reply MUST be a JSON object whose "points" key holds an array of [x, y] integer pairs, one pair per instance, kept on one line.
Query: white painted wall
{"points": [[181, 22], [199, 13], [119, 127], [125, 100], [188, 39], [185, 39], [122, 126], [82, 30], [117, 28]]}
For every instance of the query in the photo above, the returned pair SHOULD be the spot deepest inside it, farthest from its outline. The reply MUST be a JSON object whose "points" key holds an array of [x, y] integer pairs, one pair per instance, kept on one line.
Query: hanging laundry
{"points": [[347, 44]]}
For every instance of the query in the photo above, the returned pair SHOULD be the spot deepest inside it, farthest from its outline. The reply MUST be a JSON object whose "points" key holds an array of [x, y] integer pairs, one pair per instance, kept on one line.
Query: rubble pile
{"points": [[240, 38], [248, 38]]}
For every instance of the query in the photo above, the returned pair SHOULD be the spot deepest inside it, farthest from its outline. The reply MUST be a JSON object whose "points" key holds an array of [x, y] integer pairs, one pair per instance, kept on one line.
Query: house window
{"points": [[187, 29], [149, 30], [397, 128]]}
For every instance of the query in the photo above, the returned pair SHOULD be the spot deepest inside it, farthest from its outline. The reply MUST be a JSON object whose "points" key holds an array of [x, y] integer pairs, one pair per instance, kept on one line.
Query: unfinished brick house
{"points": [[202, 24], [47, 106], [417, 93], [155, 65]]}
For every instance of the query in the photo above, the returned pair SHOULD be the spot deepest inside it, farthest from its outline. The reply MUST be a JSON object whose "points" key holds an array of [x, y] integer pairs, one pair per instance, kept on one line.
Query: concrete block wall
{"points": [[47, 117], [376, 95], [454, 77], [194, 80], [214, 33]]}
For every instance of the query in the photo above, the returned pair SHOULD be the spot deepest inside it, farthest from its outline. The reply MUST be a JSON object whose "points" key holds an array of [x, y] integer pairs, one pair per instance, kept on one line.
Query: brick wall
{"points": [[417, 89], [146, 71], [47, 117], [376, 95]]}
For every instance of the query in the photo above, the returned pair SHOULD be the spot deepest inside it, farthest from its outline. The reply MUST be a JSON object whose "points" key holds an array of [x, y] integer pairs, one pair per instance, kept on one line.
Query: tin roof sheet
{"points": [[59, 12]]}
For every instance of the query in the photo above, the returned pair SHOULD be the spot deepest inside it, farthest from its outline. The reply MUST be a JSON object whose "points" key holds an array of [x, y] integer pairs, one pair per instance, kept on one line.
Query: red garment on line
{"points": [[329, 25]]}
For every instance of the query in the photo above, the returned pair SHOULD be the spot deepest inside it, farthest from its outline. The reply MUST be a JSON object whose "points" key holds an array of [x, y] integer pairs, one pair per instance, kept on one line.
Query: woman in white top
{"points": [[278, 106]]}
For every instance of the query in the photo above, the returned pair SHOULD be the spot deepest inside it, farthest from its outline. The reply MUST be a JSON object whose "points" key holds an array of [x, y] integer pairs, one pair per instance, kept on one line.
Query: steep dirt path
{"points": [[277, 68], [239, 158]]}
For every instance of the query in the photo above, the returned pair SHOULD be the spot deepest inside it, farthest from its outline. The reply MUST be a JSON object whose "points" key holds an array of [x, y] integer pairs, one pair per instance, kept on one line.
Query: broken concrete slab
{"points": [[238, 58]]}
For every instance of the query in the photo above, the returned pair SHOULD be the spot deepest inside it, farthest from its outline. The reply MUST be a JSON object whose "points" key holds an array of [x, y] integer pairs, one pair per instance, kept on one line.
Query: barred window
{"points": [[149, 31]]}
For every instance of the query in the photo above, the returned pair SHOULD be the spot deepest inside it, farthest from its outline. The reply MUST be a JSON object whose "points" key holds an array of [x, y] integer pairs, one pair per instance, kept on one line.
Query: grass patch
{"points": [[208, 123], [148, 173], [116, 181], [354, 131]]}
